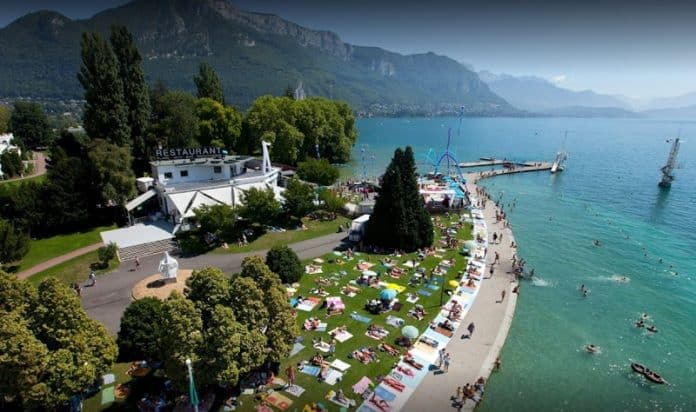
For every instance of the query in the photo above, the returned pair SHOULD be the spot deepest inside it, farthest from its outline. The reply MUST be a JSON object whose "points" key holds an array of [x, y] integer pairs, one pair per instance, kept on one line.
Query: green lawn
{"points": [[42, 250], [270, 239], [316, 391], [14, 183], [75, 270], [93, 403]]}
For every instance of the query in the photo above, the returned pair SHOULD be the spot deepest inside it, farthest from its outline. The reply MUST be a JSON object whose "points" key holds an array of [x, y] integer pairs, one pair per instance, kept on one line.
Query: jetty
{"points": [[520, 168]]}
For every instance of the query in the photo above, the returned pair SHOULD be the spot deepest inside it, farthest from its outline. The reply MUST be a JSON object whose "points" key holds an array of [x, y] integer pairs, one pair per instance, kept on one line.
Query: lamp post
{"points": [[193, 395]]}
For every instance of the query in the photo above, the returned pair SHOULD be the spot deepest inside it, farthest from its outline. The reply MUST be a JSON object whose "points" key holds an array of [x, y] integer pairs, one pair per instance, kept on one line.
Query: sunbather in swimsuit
{"points": [[405, 370], [394, 383]]}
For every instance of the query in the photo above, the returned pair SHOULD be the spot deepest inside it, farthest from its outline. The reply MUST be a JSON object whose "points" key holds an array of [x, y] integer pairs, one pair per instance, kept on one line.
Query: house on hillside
{"points": [[5, 145]]}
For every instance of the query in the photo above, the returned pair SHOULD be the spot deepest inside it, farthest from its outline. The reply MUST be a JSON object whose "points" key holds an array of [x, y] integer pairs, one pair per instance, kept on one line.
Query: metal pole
{"points": [[193, 396]]}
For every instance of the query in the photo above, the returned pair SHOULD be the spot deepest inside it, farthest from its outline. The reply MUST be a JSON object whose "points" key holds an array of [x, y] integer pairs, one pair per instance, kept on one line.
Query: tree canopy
{"points": [[284, 262], [29, 125], [111, 171], [50, 349], [299, 199], [208, 83], [260, 206], [220, 220], [14, 243], [318, 171], [218, 122], [399, 219], [175, 122], [140, 331]]}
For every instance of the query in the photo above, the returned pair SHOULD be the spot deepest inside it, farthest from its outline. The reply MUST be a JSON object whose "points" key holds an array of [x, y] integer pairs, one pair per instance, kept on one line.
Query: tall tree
{"points": [[140, 330], [424, 231], [14, 244], [285, 263], [260, 206], [114, 180], [208, 83], [218, 122], [5, 115], [135, 93], [247, 302], [30, 125], [181, 339], [208, 288], [299, 199], [106, 112], [174, 119]]}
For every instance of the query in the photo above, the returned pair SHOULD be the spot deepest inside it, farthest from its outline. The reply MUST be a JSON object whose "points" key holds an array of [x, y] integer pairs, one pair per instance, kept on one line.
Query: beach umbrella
{"points": [[369, 273], [387, 294], [470, 244], [453, 283], [410, 332]]}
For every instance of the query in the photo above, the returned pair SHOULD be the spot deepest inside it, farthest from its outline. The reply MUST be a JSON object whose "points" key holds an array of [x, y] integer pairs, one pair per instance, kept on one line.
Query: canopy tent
{"points": [[168, 266], [186, 202]]}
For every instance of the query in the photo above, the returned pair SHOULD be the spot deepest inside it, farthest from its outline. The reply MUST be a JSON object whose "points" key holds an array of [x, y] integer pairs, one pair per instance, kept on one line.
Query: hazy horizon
{"points": [[639, 49]]}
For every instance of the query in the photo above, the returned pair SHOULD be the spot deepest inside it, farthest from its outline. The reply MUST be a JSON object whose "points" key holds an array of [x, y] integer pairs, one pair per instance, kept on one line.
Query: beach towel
{"points": [[308, 303], [394, 321], [412, 299], [333, 376], [341, 336], [424, 348], [313, 270], [443, 331], [331, 396], [295, 390], [263, 408], [109, 378], [321, 346], [107, 395], [340, 365], [468, 290], [322, 327], [362, 385], [433, 287], [278, 381], [384, 393], [279, 400], [395, 287], [380, 403], [411, 264], [293, 302], [310, 370], [424, 292], [360, 318], [337, 302], [367, 408]]}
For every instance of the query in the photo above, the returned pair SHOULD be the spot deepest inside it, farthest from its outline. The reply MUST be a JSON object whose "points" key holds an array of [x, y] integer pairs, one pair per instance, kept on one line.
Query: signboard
{"points": [[170, 153]]}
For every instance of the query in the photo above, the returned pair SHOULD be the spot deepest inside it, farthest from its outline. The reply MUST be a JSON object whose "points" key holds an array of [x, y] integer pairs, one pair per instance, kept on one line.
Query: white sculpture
{"points": [[168, 267]]}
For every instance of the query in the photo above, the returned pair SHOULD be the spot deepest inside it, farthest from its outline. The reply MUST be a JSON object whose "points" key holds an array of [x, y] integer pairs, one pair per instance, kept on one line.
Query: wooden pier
{"points": [[524, 168]]}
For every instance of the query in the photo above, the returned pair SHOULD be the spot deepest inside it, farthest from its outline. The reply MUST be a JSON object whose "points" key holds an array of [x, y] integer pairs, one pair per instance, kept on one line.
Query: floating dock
{"points": [[522, 168]]}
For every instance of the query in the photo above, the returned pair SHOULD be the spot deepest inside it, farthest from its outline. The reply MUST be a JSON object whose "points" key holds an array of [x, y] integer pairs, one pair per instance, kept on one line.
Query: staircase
{"points": [[147, 249]]}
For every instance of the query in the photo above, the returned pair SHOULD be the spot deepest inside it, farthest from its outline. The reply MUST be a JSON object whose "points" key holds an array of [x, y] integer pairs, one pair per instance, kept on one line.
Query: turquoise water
{"points": [[608, 192]]}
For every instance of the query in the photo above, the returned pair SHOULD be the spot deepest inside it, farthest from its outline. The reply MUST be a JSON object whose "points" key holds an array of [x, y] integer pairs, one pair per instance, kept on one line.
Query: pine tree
{"points": [[418, 215], [135, 92], [208, 83], [106, 113]]}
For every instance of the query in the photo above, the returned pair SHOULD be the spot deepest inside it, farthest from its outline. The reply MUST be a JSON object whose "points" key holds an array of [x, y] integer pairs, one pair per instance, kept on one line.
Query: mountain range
{"points": [[253, 53]]}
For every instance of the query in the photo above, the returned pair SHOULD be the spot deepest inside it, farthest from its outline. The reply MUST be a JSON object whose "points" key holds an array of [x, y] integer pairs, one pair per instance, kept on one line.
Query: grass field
{"points": [[75, 270], [269, 239], [315, 390], [42, 250]]}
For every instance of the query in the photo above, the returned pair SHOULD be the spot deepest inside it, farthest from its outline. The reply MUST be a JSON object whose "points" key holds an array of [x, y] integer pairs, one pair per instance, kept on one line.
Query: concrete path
{"points": [[474, 357], [106, 301], [57, 261]]}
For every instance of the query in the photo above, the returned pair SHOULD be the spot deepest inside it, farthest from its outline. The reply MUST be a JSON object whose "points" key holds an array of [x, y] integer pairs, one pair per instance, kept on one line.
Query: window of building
{"points": [[217, 169], [167, 175], [183, 173]]}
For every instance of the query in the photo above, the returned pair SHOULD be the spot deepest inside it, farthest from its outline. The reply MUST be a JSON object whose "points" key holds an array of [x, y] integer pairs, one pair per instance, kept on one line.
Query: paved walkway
{"points": [[39, 168], [474, 357], [106, 301], [57, 261]]}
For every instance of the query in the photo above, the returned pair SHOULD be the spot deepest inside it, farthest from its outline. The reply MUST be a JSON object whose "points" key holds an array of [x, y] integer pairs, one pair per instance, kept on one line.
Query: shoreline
{"points": [[475, 357]]}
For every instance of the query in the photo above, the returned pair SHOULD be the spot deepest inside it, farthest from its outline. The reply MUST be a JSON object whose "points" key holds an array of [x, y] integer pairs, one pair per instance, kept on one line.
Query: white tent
{"points": [[168, 267]]}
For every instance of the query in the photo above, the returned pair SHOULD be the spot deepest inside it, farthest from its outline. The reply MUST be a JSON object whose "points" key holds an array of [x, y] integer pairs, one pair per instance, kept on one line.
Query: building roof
{"points": [[203, 161]]}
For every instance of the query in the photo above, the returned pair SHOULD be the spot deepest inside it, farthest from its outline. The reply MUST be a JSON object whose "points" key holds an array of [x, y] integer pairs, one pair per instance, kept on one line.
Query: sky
{"points": [[636, 48]]}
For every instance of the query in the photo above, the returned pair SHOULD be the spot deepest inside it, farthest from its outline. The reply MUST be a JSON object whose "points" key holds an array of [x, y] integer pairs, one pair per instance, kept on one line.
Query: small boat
{"points": [[638, 368], [654, 377], [669, 167]]}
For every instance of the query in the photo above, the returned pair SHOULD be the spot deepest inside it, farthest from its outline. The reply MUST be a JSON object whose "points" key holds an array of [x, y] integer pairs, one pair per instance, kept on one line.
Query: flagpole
{"points": [[193, 396]]}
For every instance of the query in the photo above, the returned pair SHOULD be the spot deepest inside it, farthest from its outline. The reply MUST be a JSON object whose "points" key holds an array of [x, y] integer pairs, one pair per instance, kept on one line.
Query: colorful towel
{"points": [[360, 318], [308, 303], [424, 292], [322, 327], [107, 395], [341, 336], [362, 385], [295, 390], [333, 376], [279, 400], [337, 302], [331, 396], [395, 287], [433, 287], [384, 393], [310, 370]]}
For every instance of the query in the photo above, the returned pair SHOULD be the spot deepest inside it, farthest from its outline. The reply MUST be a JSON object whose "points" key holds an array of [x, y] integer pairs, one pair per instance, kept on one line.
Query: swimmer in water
{"points": [[640, 324], [652, 329], [644, 316], [596, 242], [591, 348]]}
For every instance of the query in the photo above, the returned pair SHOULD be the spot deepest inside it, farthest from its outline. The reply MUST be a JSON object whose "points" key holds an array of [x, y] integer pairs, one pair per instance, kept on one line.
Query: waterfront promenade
{"points": [[475, 357]]}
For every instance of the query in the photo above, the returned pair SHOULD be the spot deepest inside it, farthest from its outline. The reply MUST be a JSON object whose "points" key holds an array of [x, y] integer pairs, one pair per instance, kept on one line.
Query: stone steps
{"points": [[147, 249]]}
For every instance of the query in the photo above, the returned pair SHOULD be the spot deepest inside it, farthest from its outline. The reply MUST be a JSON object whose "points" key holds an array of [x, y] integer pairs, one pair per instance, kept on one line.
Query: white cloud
{"points": [[559, 78]]}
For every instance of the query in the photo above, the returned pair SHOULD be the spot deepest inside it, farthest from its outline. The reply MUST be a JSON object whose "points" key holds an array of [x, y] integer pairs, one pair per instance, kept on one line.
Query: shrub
{"points": [[107, 253], [284, 262], [332, 202]]}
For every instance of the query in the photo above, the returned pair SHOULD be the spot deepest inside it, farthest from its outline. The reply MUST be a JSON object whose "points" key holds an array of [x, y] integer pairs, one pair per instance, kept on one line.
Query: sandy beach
{"points": [[473, 357]]}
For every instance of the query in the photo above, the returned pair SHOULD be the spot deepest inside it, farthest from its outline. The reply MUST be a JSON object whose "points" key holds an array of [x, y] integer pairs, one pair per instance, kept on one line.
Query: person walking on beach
{"points": [[440, 358], [497, 258], [502, 296], [471, 328], [491, 272], [495, 237], [137, 263], [500, 238], [446, 362], [92, 278]]}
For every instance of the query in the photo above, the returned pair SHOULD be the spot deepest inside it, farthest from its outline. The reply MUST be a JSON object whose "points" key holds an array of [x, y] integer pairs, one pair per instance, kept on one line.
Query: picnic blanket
{"points": [[310, 370], [395, 287], [331, 396], [341, 336], [322, 327], [279, 400], [360, 318], [337, 302], [362, 265], [394, 321], [295, 390], [433, 287], [263, 408], [424, 292], [308, 303], [340, 365], [362, 385], [412, 298]]}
